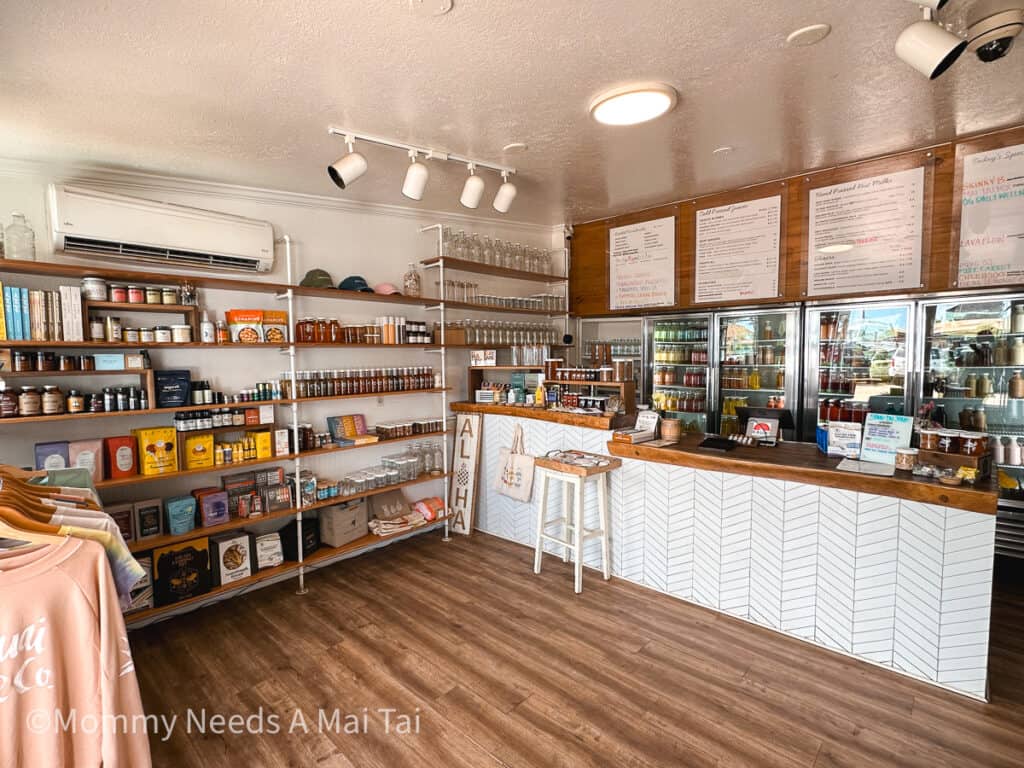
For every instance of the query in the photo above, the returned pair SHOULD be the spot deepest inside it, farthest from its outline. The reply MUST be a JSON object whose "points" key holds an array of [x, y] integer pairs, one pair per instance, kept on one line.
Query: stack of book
{"points": [[31, 314]]}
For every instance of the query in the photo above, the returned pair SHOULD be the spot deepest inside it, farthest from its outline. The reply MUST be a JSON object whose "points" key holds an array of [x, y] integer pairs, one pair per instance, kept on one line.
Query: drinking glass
{"points": [[447, 242], [474, 248], [460, 245], [488, 251]]}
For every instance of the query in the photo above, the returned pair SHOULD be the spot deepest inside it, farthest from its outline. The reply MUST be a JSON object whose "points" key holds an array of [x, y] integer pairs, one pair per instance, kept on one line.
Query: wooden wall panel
{"points": [[589, 275]]}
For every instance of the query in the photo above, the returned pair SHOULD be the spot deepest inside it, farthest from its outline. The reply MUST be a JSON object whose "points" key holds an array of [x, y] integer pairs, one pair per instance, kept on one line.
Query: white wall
{"points": [[342, 237]]}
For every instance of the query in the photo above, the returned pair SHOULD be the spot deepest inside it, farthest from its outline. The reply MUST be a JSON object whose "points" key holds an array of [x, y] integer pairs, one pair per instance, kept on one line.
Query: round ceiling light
{"points": [[810, 35], [632, 104]]}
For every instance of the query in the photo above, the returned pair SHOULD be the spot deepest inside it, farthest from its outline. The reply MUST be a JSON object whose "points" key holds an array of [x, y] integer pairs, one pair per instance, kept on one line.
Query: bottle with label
{"points": [[1016, 322], [1017, 351], [1016, 386], [540, 396], [207, 331]]}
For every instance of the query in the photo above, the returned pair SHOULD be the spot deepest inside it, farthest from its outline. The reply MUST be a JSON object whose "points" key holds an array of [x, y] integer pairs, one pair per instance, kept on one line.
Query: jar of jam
{"points": [[118, 294], [169, 295], [136, 295], [8, 402], [22, 361], [334, 333], [320, 331], [52, 400], [76, 401], [131, 335], [96, 329], [29, 401], [304, 330], [153, 295]]}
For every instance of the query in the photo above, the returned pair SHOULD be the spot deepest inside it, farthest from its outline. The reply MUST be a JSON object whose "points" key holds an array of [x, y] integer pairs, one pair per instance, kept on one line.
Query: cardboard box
{"points": [[181, 514], [231, 555], [134, 362], [121, 456], [198, 451], [123, 515], [181, 571], [148, 519], [281, 442], [268, 550], [109, 361], [264, 443], [52, 455], [158, 450], [213, 506], [344, 523], [87, 454], [252, 417]]}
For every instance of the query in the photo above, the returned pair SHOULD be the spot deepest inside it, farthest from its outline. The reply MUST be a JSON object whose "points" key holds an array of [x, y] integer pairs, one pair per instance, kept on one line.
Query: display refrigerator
{"points": [[757, 365], [972, 379], [856, 362], [677, 365]]}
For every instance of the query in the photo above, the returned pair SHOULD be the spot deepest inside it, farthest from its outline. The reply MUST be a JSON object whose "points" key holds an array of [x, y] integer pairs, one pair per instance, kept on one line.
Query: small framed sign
{"points": [[483, 358]]}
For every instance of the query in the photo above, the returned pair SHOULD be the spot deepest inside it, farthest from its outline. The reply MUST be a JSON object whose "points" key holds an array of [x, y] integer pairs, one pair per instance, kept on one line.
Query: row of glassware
{"points": [[495, 252], [469, 292], [502, 333]]}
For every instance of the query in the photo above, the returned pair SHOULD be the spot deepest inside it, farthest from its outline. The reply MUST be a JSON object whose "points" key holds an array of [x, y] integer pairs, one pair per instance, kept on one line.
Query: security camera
{"points": [[568, 232], [992, 37]]}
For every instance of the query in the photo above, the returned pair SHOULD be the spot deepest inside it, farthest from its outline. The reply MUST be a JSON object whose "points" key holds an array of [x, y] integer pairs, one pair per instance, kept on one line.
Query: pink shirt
{"points": [[66, 668]]}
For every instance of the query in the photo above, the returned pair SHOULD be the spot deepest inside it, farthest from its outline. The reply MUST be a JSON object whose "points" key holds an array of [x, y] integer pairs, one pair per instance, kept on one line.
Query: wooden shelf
{"points": [[241, 522], [319, 345], [506, 367], [365, 542], [466, 305], [48, 374], [124, 306], [139, 345], [606, 384], [464, 265], [362, 395]]}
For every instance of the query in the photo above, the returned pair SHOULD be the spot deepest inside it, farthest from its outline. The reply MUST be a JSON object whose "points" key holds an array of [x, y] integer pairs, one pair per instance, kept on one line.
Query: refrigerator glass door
{"points": [[757, 364], [678, 360], [855, 363], [973, 377]]}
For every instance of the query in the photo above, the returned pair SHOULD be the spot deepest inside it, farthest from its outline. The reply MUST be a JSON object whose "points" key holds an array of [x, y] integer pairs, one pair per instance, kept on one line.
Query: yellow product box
{"points": [[199, 451], [158, 450], [264, 444]]}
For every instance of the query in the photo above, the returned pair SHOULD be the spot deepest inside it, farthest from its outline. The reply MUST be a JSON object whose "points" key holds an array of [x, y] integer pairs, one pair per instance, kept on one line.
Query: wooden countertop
{"points": [[586, 420], [804, 463]]}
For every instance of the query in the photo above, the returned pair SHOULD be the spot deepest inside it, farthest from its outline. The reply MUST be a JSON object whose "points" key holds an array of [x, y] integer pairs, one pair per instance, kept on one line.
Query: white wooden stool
{"points": [[574, 477]]}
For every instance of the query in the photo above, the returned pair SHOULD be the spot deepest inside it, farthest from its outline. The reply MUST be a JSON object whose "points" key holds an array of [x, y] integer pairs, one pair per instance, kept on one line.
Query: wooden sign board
{"points": [[465, 472]]}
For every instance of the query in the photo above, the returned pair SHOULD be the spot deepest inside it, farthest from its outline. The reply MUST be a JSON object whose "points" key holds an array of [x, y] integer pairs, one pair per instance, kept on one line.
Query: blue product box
{"points": [[181, 514], [52, 455], [109, 361]]}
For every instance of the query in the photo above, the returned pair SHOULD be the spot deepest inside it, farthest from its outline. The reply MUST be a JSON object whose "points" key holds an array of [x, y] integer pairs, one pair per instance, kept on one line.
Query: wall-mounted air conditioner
{"points": [[89, 222]]}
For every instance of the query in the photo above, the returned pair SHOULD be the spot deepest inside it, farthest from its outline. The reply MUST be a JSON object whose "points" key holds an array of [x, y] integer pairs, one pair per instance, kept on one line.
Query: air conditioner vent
{"points": [[170, 256]]}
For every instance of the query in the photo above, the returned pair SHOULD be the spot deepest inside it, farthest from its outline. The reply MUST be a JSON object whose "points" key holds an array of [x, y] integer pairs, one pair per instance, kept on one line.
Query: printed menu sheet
{"points": [[992, 218], [865, 235], [642, 264], [738, 251]]}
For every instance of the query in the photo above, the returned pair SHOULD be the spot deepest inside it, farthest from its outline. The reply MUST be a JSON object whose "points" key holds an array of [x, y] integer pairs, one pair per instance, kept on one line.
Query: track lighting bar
{"points": [[427, 152]]}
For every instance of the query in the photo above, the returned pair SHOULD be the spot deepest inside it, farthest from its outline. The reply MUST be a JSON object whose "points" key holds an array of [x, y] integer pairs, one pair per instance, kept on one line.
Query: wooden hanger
{"points": [[16, 519]]}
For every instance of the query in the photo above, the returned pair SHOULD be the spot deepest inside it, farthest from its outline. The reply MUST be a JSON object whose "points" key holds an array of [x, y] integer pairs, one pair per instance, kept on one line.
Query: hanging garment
{"points": [[69, 696]]}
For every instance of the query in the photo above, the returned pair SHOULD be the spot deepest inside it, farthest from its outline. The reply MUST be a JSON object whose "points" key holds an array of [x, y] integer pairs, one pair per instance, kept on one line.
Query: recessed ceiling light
{"points": [[515, 146], [430, 7], [805, 36], [632, 104], [720, 151]]}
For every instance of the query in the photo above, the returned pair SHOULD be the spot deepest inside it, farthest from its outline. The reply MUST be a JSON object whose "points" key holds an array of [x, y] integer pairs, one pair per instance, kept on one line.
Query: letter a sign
{"points": [[465, 469]]}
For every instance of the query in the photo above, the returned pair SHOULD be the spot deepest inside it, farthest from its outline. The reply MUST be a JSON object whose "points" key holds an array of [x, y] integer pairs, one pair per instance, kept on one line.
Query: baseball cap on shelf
{"points": [[355, 283], [317, 278], [386, 289]]}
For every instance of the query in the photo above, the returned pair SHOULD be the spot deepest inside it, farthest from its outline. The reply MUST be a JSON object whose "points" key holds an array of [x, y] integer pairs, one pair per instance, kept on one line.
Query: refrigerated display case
{"points": [[757, 364], [678, 364], [604, 340], [856, 362], [972, 378]]}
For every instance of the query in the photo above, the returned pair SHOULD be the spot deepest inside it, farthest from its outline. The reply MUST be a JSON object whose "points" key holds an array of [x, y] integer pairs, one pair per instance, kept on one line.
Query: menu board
{"points": [[865, 235], [642, 265], [738, 251], [992, 218], [883, 434]]}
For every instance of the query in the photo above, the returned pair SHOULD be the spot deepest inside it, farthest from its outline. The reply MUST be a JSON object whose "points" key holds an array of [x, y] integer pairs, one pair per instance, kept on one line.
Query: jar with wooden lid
{"points": [[29, 401]]}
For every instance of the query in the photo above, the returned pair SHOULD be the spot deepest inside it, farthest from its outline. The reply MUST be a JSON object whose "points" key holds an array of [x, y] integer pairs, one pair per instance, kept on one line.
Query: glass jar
{"points": [[112, 330], [75, 402], [46, 361], [136, 295], [8, 402], [162, 334], [19, 239], [168, 295], [411, 283], [94, 289], [119, 294], [29, 401], [154, 295], [96, 329]]}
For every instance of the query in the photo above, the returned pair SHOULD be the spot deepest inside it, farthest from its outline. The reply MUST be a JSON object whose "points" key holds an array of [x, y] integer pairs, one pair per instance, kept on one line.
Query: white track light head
{"points": [[415, 178], [473, 189], [929, 48], [506, 194], [347, 169], [935, 5]]}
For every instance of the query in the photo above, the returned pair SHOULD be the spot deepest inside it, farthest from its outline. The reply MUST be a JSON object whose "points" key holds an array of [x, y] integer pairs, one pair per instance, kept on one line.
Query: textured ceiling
{"points": [[242, 91]]}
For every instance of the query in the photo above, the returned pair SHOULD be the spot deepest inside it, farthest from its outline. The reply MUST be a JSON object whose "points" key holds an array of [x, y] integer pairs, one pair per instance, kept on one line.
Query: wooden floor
{"points": [[510, 669]]}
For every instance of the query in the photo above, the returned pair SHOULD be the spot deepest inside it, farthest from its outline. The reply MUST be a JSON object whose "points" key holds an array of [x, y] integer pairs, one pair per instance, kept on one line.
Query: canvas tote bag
{"points": [[515, 469]]}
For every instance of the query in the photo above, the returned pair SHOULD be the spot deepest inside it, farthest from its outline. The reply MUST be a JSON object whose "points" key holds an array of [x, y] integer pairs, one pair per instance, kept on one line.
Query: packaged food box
{"points": [[343, 523], [281, 442], [148, 519], [268, 550], [181, 571], [275, 326], [213, 506], [181, 514], [198, 451], [89, 455], [237, 486], [52, 455], [173, 388], [276, 497], [264, 443], [122, 456], [109, 361], [245, 325], [122, 515], [158, 450], [268, 476], [310, 538], [231, 555]]}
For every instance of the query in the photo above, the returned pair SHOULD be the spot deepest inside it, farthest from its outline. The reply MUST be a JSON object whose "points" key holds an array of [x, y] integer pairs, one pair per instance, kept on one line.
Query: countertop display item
{"points": [[181, 571], [232, 557]]}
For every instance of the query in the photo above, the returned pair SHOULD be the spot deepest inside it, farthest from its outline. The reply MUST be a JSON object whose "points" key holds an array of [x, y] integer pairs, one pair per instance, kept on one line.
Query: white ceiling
{"points": [[243, 92]]}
